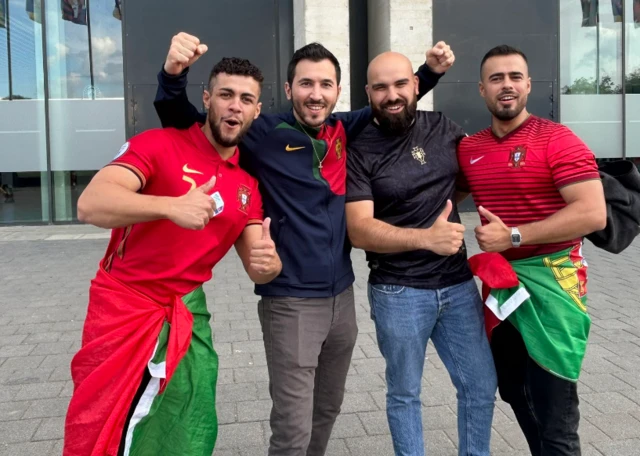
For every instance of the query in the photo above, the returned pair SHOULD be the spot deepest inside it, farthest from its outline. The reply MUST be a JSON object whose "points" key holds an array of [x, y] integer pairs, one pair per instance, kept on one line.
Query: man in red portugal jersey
{"points": [[538, 192], [145, 377]]}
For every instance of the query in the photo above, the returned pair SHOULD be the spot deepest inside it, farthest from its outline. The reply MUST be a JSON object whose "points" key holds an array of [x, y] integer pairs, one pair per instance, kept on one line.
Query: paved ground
{"points": [[44, 276]]}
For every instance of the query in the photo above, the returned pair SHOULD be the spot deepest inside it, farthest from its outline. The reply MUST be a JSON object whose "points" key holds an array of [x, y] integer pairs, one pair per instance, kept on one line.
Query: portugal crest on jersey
{"points": [[244, 198], [517, 157]]}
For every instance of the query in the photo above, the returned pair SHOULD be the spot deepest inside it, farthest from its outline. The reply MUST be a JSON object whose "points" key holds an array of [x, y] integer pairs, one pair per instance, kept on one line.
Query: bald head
{"points": [[393, 91], [389, 62]]}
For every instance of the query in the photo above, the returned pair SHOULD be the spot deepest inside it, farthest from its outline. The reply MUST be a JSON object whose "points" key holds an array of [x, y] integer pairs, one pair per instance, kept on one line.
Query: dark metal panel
{"points": [[466, 107], [472, 28], [261, 31], [358, 52]]}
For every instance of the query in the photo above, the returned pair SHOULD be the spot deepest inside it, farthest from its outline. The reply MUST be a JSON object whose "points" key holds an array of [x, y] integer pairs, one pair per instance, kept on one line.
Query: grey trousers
{"points": [[308, 343]]}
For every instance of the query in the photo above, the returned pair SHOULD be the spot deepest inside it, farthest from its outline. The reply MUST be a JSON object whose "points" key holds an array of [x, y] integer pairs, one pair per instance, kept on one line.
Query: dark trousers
{"points": [[308, 343], [546, 406]]}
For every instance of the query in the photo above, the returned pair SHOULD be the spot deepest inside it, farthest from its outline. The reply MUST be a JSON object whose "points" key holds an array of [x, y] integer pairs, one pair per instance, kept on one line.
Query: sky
{"points": [[68, 53]]}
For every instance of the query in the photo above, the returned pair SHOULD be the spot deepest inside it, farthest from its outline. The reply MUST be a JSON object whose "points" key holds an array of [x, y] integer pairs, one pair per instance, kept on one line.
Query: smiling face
{"points": [[232, 104], [314, 91], [505, 86], [393, 92]]}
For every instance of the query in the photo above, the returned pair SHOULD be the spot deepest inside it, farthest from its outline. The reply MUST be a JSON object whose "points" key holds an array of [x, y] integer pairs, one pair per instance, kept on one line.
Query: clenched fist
{"points": [[184, 51], [440, 57], [194, 210], [445, 238], [263, 257]]}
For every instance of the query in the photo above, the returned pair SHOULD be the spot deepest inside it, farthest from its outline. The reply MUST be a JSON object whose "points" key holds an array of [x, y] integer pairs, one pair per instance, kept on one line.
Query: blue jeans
{"points": [[405, 319]]}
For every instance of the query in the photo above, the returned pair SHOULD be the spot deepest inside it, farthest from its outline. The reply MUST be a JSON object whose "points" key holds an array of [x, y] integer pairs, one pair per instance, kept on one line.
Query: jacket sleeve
{"points": [[172, 104], [355, 121]]}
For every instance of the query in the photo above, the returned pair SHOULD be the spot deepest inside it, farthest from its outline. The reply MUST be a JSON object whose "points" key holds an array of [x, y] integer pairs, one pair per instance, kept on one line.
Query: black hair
{"points": [[237, 67], [314, 52], [502, 50]]}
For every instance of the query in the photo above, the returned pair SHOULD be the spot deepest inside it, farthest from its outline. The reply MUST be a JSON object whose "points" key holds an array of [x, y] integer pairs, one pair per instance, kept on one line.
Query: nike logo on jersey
{"points": [[186, 169], [475, 160], [291, 149]]}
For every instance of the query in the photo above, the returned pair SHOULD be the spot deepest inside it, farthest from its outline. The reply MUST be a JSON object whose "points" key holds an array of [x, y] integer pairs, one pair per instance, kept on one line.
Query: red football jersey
{"points": [[159, 258], [518, 177]]}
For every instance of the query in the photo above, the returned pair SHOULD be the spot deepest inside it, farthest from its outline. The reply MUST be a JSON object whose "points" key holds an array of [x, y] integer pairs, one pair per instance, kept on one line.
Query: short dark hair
{"points": [[314, 52], [502, 50], [236, 67]]}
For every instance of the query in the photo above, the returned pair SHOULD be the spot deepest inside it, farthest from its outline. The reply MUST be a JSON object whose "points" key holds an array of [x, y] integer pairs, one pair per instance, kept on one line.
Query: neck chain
{"points": [[313, 145]]}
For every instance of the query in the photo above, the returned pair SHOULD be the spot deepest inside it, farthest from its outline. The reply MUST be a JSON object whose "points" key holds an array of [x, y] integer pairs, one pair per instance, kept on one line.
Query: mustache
{"points": [[397, 102]]}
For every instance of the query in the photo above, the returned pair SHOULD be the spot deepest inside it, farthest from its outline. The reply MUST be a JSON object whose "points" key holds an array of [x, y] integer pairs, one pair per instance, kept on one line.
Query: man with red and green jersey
{"points": [[538, 192], [177, 201]]}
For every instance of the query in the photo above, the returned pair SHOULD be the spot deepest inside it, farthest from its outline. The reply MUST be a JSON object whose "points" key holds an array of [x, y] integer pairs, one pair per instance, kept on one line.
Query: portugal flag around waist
{"points": [[548, 307]]}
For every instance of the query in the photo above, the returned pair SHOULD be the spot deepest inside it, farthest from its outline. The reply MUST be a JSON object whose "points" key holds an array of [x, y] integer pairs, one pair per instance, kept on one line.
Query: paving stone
{"points": [[618, 426], [10, 351], [226, 412], [254, 410], [251, 374], [240, 435], [40, 338], [348, 425], [12, 411], [47, 408], [612, 402], [25, 376], [358, 402], [50, 429], [18, 431], [27, 449], [237, 392], [39, 391], [375, 423], [619, 448], [368, 446]]}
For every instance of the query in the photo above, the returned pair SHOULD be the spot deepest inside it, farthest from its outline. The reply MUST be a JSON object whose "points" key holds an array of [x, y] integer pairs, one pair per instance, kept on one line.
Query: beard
{"points": [[506, 114], [396, 124], [314, 121], [226, 140]]}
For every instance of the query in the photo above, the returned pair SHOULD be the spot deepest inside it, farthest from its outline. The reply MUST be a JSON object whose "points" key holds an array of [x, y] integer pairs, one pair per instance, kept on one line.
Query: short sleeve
{"points": [[462, 185], [456, 131], [358, 178], [569, 158], [138, 154], [256, 213]]}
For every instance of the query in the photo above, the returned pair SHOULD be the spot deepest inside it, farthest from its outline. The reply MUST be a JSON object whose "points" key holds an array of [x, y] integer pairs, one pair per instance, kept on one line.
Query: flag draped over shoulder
{"points": [[547, 305]]}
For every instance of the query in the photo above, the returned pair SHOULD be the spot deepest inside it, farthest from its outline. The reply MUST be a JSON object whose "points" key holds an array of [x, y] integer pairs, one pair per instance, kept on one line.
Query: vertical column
{"points": [[326, 22], [404, 26]]}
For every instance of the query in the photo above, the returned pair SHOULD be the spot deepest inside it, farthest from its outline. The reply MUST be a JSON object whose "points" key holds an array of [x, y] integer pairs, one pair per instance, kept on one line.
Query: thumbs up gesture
{"points": [[193, 210], [445, 238], [495, 236], [263, 257]]}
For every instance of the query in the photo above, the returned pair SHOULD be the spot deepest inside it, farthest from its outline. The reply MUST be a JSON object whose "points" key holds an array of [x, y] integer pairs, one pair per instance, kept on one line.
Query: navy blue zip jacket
{"points": [[303, 189]]}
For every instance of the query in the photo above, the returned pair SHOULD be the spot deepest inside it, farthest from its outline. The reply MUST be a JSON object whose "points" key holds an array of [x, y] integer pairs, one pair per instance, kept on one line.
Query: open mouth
{"points": [[506, 98], [314, 107], [394, 109], [232, 123]]}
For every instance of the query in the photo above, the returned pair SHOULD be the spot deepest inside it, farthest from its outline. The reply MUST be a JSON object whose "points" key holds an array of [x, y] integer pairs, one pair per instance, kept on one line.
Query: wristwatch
{"points": [[516, 238]]}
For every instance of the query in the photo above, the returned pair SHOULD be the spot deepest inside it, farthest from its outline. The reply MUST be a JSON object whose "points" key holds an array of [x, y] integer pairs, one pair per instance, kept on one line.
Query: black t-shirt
{"points": [[409, 179]]}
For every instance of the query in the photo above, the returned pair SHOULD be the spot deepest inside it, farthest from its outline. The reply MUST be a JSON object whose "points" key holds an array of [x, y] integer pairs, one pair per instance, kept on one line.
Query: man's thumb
{"points": [[206, 188], [488, 215], [266, 234], [447, 211], [201, 49]]}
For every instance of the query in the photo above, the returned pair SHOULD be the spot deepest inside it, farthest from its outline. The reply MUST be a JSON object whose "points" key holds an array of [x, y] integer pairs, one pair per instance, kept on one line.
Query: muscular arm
{"points": [[251, 236], [584, 213], [368, 233], [111, 200]]}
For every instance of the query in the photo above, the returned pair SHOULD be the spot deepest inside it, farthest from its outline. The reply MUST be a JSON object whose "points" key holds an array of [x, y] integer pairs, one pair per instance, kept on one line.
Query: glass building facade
{"points": [[600, 74], [62, 106], [61, 103]]}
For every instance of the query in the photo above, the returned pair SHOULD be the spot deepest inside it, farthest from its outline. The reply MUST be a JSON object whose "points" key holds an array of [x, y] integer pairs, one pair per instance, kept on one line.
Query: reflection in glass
{"points": [[86, 87], [632, 79], [23, 161], [591, 73]]}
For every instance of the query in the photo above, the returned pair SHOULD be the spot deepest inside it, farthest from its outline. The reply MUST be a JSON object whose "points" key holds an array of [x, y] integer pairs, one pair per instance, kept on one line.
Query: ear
{"points": [[481, 89], [206, 99], [529, 85], [287, 90], [258, 109], [339, 91], [416, 83], [366, 89]]}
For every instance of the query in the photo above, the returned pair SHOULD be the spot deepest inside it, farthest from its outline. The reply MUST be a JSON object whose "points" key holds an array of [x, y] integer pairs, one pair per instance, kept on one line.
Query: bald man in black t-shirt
{"points": [[400, 187]]}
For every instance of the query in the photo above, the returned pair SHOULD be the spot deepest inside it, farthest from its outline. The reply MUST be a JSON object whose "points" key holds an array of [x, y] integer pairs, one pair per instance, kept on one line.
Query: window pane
{"points": [[591, 72], [23, 158], [84, 43], [632, 80]]}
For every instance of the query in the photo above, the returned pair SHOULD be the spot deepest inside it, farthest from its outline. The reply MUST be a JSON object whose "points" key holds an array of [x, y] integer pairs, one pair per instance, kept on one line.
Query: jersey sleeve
{"points": [[569, 158], [358, 178], [172, 104], [256, 213], [138, 155]]}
